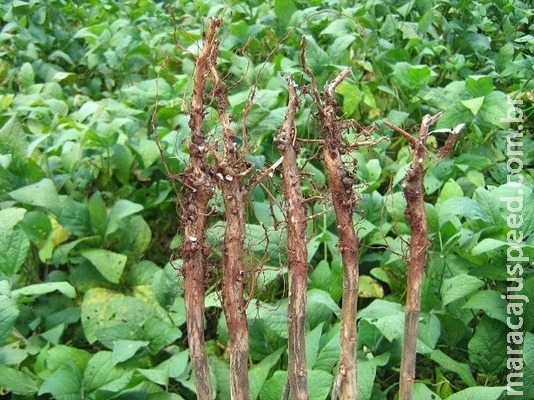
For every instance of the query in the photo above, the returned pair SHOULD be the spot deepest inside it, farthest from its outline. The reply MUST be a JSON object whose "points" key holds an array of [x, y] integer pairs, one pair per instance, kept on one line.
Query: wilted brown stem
{"points": [[453, 135], [343, 200], [230, 172], [199, 188], [295, 216], [416, 217]]}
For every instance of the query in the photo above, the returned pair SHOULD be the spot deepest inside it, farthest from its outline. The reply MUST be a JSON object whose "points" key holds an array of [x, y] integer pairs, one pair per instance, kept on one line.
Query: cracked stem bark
{"points": [[343, 199], [416, 217], [199, 189], [295, 216], [234, 304]]}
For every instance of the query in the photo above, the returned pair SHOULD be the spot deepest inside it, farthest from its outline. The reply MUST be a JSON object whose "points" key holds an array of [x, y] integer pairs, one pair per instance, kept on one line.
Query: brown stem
{"points": [[295, 215], [419, 243], [233, 189], [451, 139], [199, 188], [234, 304], [402, 132], [343, 200]]}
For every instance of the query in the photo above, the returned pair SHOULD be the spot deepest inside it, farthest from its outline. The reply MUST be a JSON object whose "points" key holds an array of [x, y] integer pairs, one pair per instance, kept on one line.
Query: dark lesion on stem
{"points": [[199, 187], [419, 243], [296, 218], [343, 199], [231, 171]]}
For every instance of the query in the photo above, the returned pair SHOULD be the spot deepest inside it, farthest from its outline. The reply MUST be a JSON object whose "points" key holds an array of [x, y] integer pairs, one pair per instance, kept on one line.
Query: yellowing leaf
{"points": [[370, 288]]}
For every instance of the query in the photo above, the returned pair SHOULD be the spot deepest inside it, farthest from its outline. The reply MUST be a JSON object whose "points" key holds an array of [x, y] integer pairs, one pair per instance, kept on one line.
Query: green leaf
{"points": [[459, 286], [487, 245], [176, 366], [316, 57], [109, 264], [5, 101], [478, 41], [328, 278], [528, 371], [380, 308], [338, 49], [167, 285], [489, 301], [528, 216], [489, 204], [136, 237], [11, 355], [9, 217], [148, 152], [274, 317], [125, 349], [432, 218], [473, 105], [165, 396], [367, 373], [487, 347], [121, 209], [41, 194], [109, 316], [319, 383], [161, 333], [37, 226], [477, 178], [74, 216], [97, 213], [312, 345], [159, 377], [284, 10], [478, 393], [102, 374], [428, 333], [14, 248], [479, 85], [421, 391], [9, 311], [446, 362], [114, 330], [94, 311], [143, 273], [58, 356], [329, 355], [259, 372], [352, 96], [412, 78], [42, 288], [62, 252], [312, 246], [494, 108], [17, 382], [64, 384], [122, 163], [274, 387], [452, 329], [317, 296], [53, 336], [26, 75], [473, 161], [373, 170], [391, 326], [221, 373]]}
